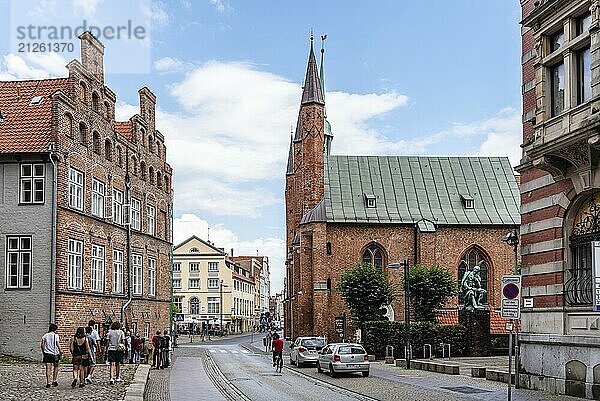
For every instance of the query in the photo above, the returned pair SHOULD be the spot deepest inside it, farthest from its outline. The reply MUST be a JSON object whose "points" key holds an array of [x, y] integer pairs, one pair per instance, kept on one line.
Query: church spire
{"points": [[326, 125], [290, 163], [312, 92]]}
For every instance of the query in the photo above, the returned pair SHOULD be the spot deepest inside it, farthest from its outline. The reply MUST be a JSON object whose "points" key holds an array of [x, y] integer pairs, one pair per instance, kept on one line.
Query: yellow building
{"points": [[243, 298], [202, 282]]}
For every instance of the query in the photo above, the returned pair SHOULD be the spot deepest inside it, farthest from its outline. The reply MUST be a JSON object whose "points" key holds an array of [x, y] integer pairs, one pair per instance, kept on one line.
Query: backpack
{"points": [[164, 342]]}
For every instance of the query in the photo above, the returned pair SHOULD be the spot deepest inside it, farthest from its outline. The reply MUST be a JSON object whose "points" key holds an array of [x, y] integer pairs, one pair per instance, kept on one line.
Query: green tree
{"points": [[366, 289], [430, 288]]}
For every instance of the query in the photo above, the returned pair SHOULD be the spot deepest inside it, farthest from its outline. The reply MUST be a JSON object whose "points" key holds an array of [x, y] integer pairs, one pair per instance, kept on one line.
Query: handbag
{"points": [[121, 347]]}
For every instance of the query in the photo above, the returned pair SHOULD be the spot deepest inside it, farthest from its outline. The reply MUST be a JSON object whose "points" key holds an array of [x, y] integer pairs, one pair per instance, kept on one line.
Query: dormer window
{"points": [[467, 201], [370, 201]]}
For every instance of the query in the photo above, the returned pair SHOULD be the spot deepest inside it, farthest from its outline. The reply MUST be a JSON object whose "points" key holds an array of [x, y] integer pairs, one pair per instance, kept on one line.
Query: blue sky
{"points": [[434, 78]]}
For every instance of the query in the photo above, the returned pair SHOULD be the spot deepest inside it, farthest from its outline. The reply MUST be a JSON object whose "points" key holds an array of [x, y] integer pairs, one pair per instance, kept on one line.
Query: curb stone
{"points": [[137, 388]]}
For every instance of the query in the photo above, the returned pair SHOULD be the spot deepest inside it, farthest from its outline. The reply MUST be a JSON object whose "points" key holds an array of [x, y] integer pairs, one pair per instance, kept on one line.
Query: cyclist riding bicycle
{"points": [[277, 348]]}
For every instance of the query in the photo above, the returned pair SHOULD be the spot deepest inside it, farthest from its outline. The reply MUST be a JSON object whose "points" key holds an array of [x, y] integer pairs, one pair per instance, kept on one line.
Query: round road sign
{"points": [[510, 291]]}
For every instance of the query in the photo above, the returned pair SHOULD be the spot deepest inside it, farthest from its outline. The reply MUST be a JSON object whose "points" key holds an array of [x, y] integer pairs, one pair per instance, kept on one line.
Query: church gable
{"points": [[406, 189]]}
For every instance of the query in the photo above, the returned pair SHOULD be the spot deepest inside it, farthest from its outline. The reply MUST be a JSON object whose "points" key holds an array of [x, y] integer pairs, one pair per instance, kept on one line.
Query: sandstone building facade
{"points": [[342, 210], [85, 204], [560, 192]]}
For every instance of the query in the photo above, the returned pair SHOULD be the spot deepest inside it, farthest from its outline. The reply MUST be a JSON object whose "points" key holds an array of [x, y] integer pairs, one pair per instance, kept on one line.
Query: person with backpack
{"points": [[156, 357], [80, 350], [116, 350]]}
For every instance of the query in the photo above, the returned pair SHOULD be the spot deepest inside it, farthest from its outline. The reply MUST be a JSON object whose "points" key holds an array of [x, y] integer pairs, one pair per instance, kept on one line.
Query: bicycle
{"points": [[279, 362]]}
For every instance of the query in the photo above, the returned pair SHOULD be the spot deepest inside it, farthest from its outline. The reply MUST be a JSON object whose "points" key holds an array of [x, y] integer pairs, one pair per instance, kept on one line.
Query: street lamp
{"points": [[406, 307], [512, 239], [221, 303]]}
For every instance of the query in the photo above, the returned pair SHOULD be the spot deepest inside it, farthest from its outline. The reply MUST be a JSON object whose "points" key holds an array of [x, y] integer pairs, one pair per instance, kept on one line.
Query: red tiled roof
{"points": [[27, 127], [497, 323], [124, 128]]}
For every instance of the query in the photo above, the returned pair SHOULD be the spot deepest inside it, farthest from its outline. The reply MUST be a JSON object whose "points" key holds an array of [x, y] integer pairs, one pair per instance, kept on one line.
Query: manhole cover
{"points": [[467, 390]]}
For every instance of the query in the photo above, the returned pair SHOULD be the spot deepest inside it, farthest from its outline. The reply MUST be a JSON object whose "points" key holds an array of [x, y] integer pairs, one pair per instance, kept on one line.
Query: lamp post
{"points": [[512, 239], [405, 265], [221, 303]]}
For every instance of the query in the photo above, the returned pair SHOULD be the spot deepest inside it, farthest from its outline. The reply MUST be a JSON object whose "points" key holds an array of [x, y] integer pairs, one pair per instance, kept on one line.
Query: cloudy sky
{"points": [[440, 77]]}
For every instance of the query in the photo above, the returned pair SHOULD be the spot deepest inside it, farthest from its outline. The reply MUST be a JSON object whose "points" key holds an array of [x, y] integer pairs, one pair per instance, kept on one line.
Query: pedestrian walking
{"points": [[51, 353], [116, 351], [166, 357], [136, 344], [93, 340], [92, 343], [129, 350], [157, 342], [80, 350], [145, 351]]}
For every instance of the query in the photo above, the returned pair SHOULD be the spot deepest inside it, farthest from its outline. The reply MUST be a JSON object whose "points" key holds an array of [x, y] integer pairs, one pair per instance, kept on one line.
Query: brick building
{"points": [[341, 210], [560, 191], [70, 177]]}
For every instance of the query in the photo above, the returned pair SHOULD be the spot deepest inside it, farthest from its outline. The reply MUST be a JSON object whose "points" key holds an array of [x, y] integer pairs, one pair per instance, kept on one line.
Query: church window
{"points": [[474, 256], [328, 246], [373, 254]]}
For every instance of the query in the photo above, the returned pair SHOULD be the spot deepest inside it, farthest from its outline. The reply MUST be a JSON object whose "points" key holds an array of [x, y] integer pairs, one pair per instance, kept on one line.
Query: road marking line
{"points": [[213, 350], [233, 351], [222, 351], [244, 351]]}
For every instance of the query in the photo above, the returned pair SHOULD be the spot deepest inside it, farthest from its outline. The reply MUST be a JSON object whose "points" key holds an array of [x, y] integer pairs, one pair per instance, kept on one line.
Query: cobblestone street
{"points": [[26, 381]]}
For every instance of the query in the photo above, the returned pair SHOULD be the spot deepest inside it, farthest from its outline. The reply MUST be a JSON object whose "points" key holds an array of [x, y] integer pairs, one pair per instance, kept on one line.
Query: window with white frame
{"points": [[178, 303], [150, 217], [117, 272], [136, 261], [213, 305], [213, 266], [75, 189], [177, 267], [194, 283], [194, 267], [18, 262], [32, 183], [75, 267], [97, 275], [194, 306], [177, 283], [117, 206], [151, 277], [213, 283], [97, 198], [135, 214]]}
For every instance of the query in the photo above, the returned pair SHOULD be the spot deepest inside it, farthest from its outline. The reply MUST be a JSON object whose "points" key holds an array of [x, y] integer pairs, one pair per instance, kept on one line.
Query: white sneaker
{"points": [[111, 381], [119, 380], [88, 380]]}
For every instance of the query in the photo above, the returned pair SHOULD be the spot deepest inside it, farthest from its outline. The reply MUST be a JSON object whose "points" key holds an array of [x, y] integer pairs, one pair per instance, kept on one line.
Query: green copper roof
{"points": [[407, 189]]}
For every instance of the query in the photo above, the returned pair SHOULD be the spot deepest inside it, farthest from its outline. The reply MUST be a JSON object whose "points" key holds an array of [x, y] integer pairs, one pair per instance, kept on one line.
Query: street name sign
{"points": [[510, 291]]}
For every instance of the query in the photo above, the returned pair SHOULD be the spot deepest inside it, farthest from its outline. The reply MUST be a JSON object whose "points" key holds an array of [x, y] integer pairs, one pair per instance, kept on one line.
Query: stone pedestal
{"points": [[477, 322]]}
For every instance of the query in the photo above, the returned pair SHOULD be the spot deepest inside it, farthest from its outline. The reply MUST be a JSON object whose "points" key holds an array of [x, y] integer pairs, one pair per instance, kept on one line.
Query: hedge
{"points": [[378, 335]]}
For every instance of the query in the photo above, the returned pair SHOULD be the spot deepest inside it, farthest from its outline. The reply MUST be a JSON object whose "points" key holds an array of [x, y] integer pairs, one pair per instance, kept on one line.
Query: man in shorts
{"points": [[92, 342], [51, 351]]}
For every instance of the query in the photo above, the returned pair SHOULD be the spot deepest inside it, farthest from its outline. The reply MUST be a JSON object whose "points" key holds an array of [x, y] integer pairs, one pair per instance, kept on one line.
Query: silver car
{"points": [[306, 350], [343, 358]]}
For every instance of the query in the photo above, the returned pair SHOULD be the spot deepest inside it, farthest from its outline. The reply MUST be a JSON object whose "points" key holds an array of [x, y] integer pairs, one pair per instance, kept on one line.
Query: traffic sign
{"points": [[510, 291], [340, 325], [179, 317]]}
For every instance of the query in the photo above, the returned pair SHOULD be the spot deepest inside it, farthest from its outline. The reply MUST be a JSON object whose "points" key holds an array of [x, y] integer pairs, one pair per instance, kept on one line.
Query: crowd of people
{"points": [[116, 347]]}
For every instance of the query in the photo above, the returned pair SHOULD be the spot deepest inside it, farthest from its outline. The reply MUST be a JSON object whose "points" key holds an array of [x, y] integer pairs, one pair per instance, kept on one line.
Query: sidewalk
{"points": [[197, 339], [466, 363]]}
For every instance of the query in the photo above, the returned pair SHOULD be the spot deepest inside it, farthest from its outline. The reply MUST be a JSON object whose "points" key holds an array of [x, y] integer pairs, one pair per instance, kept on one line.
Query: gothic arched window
{"points": [[474, 256], [373, 254], [194, 306]]}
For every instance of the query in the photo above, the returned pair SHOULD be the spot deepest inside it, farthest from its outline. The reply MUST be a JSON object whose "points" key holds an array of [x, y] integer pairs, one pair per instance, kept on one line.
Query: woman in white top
{"points": [[116, 348], [50, 346]]}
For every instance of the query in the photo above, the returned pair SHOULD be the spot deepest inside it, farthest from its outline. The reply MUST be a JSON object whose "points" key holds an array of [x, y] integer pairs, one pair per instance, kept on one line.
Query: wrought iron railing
{"points": [[578, 287]]}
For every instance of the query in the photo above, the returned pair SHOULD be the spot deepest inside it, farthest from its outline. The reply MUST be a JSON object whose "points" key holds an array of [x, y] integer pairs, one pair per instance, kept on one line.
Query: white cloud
{"points": [[171, 64], [191, 224], [503, 135], [156, 12], [86, 8], [32, 66], [220, 5]]}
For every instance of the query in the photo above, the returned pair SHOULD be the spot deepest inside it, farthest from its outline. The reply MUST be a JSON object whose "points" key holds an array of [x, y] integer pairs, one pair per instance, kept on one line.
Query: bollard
{"points": [[389, 354]]}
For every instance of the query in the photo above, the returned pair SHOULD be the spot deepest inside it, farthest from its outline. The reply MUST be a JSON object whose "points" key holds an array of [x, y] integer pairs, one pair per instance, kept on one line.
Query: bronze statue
{"points": [[470, 287]]}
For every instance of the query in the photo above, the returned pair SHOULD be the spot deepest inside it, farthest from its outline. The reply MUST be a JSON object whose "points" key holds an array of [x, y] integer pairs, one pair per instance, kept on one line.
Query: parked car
{"points": [[306, 350], [343, 358]]}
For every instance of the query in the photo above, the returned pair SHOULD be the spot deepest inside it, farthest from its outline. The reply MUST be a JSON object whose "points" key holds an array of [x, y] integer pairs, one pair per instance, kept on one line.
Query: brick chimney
{"points": [[148, 107], [92, 55]]}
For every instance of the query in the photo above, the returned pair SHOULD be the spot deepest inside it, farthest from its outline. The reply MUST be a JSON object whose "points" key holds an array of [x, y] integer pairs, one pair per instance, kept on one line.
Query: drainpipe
{"points": [[415, 242], [129, 280], [53, 237]]}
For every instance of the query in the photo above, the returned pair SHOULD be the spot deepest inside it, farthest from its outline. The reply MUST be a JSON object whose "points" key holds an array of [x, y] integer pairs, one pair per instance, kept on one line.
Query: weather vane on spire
{"points": [[323, 37]]}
